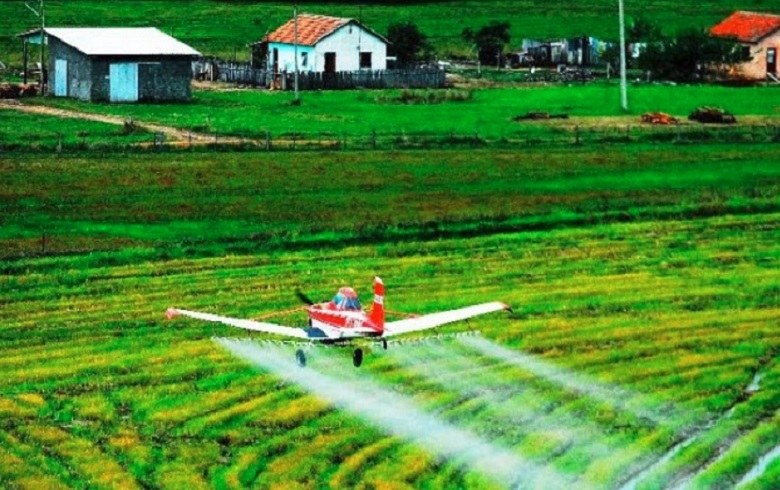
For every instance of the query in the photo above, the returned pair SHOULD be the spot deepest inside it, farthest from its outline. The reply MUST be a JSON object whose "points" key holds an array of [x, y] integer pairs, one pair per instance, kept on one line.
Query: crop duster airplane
{"points": [[343, 320]]}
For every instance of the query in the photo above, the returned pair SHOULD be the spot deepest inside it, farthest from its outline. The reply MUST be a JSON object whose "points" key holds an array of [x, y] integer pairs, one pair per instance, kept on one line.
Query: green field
{"points": [[250, 200], [25, 131], [643, 279], [225, 27], [487, 112]]}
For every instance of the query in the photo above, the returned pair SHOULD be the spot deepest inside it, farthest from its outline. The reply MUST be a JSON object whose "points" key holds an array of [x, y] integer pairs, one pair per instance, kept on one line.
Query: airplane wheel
{"points": [[384, 344], [300, 357], [357, 357]]}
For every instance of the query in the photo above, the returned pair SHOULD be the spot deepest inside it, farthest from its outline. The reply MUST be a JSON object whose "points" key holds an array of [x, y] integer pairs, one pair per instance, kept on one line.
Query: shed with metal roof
{"points": [[117, 64]]}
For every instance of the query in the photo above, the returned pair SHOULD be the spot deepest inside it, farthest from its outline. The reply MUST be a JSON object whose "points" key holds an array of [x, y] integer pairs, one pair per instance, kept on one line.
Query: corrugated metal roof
{"points": [[748, 27], [121, 41]]}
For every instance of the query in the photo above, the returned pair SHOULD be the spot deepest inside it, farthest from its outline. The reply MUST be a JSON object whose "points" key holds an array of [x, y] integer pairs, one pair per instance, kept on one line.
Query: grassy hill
{"points": [[225, 28]]}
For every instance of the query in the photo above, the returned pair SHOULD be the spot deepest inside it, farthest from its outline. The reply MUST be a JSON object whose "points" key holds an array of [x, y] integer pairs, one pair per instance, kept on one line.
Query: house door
{"points": [[330, 62], [123, 82], [276, 61], [60, 78], [771, 60]]}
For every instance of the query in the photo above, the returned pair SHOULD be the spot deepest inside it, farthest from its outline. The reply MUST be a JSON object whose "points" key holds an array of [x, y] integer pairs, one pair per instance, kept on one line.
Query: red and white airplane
{"points": [[343, 319]]}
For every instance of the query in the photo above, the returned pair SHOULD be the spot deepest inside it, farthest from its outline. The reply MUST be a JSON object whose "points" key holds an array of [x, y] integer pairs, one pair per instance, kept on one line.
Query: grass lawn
{"points": [[225, 27], [30, 130], [488, 112]]}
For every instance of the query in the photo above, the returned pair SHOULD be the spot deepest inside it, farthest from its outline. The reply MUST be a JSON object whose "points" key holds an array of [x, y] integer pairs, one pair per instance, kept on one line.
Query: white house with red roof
{"points": [[324, 44], [760, 34]]}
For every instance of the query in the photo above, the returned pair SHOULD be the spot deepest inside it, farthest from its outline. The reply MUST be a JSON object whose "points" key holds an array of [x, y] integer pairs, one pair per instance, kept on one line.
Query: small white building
{"points": [[324, 44]]}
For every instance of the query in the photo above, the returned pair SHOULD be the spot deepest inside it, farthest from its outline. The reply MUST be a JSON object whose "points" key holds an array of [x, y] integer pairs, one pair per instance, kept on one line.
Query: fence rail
{"points": [[527, 137], [245, 74], [423, 78]]}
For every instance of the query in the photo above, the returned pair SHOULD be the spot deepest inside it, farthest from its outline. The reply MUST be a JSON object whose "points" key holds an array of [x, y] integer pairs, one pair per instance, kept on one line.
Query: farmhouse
{"points": [[760, 35], [116, 64], [324, 44]]}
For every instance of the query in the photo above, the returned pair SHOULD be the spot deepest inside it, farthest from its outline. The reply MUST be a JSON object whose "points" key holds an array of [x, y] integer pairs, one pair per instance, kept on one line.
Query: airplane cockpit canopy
{"points": [[346, 299]]}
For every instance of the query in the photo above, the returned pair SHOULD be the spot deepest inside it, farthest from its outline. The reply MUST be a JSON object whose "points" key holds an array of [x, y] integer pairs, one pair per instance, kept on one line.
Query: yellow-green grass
{"points": [[96, 381]]}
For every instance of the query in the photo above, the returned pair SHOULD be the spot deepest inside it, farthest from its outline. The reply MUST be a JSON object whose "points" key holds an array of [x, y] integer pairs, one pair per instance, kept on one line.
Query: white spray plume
{"points": [[459, 372], [611, 395], [399, 416]]}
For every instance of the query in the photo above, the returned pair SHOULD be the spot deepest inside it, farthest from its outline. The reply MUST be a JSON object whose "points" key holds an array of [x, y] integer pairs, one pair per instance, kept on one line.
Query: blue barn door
{"points": [[60, 78], [123, 78]]}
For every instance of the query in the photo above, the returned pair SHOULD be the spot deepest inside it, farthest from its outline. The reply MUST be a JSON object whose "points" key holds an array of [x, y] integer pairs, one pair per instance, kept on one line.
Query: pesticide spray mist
{"points": [[640, 406], [459, 370], [397, 415]]}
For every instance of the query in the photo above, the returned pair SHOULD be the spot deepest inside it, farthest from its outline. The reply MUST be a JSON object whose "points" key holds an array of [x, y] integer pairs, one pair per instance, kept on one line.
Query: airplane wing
{"points": [[245, 324], [443, 317]]}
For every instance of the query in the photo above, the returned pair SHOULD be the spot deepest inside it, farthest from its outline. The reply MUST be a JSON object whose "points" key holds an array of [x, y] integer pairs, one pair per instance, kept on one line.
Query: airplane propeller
{"points": [[301, 296]]}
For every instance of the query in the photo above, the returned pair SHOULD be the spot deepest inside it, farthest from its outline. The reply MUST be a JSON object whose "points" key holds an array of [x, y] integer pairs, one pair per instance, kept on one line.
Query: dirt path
{"points": [[171, 133]]}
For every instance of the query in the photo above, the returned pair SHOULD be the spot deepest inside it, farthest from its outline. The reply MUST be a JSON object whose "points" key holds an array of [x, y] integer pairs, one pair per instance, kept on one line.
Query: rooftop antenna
{"points": [[41, 14], [623, 86]]}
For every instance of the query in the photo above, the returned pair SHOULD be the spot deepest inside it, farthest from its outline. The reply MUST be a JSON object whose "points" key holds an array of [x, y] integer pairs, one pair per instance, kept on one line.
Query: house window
{"points": [[304, 59], [746, 51], [365, 60]]}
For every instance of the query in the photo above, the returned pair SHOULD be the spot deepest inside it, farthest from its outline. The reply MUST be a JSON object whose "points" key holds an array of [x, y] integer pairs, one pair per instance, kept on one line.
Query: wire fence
{"points": [[531, 136]]}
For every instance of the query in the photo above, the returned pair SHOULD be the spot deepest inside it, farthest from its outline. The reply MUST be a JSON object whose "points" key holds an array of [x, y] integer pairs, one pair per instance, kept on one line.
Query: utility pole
{"points": [[41, 14], [295, 43], [623, 85]]}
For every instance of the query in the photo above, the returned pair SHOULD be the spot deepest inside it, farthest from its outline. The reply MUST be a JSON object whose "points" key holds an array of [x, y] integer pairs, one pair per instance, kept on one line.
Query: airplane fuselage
{"points": [[342, 324]]}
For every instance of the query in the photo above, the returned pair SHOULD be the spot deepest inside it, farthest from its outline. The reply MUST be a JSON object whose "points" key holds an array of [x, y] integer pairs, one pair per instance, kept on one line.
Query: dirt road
{"points": [[171, 133]]}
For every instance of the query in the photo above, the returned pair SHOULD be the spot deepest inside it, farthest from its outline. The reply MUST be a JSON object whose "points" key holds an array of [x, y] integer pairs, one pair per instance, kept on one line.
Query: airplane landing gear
{"points": [[384, 344], [357, 357], [300, 357]]}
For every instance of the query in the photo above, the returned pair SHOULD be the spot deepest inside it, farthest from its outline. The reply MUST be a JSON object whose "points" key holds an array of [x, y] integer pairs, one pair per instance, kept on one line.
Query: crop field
{"points": [[234, 202], [641, 353], [487, 112], [201, 23]]}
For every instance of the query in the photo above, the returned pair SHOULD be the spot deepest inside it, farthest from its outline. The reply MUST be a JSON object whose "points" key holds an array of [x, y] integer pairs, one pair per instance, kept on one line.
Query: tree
{"points": [[690, 55], [640, 31], [408, 44], [643, 30], [489, 40]]}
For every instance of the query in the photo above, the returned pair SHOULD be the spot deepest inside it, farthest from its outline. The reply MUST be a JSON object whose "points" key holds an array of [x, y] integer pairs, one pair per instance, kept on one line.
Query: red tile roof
{"points": [[747, 27], [311, 28]]}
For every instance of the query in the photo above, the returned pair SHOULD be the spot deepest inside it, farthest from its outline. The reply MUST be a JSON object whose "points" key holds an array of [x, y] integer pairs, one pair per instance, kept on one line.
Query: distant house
{"points": [[577, 51], [760, 35], [117, 64], [324, 44]]}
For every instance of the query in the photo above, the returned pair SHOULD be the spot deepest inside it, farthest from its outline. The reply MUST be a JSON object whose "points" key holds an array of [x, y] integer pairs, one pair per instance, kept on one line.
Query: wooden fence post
{"points": [[268, 140]]}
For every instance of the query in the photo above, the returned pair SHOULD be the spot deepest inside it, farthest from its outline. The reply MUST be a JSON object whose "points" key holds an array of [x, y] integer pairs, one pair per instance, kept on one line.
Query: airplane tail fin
{"points": [[378, 310]]}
